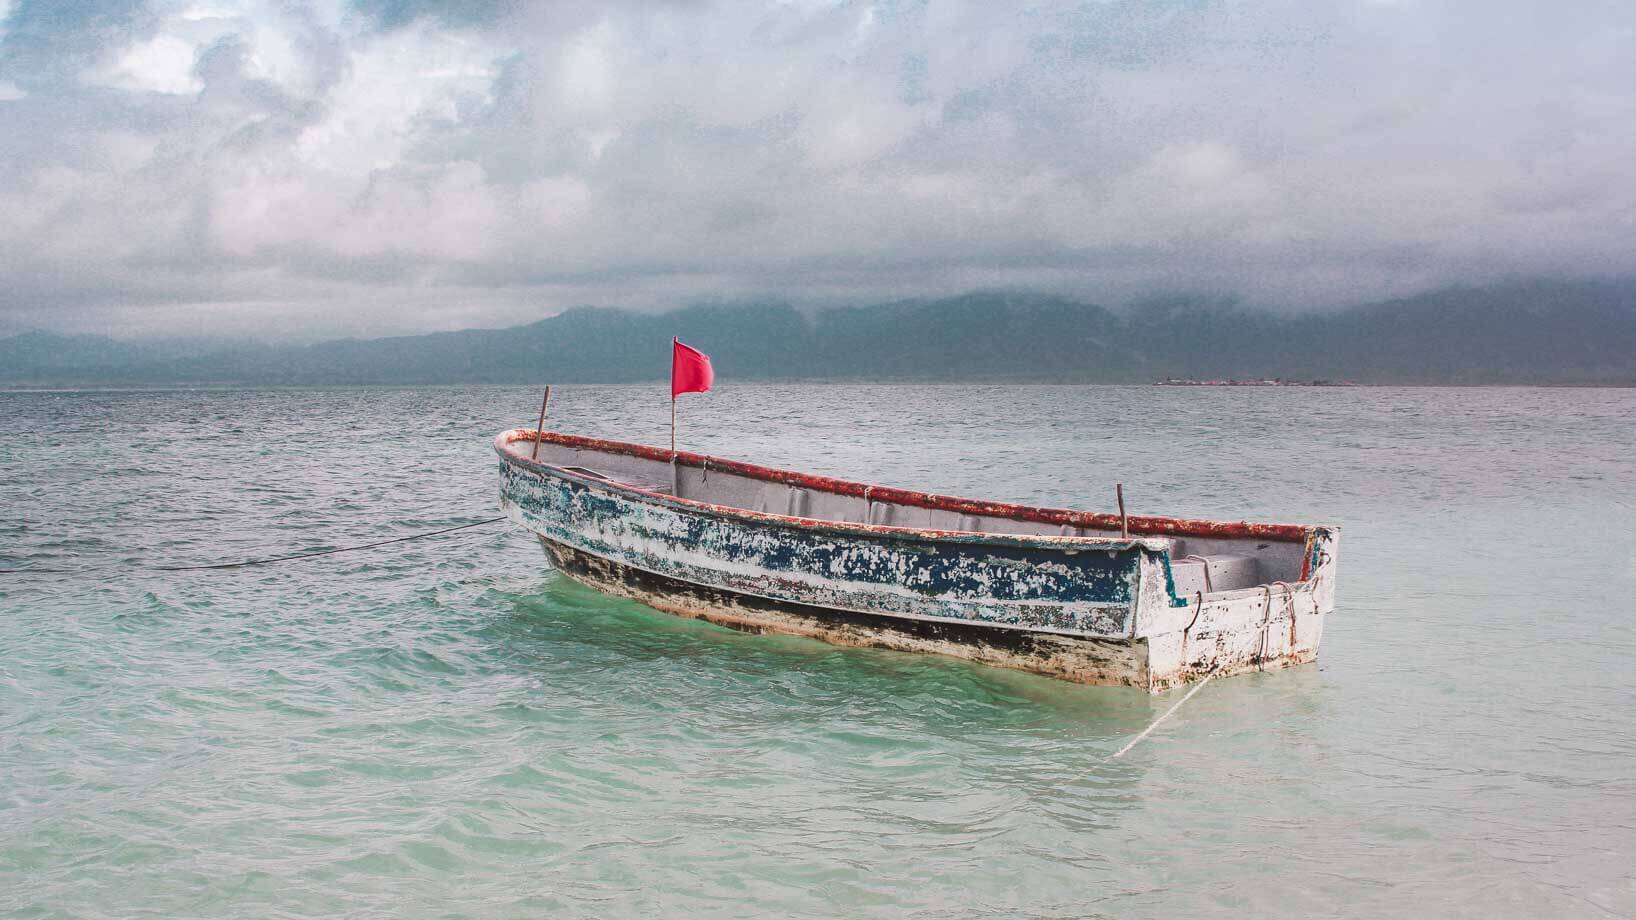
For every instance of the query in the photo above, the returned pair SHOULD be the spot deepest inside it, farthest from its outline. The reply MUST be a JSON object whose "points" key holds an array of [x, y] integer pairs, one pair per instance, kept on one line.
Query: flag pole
{"points": [[690, 372], [673, 341], [539, 430], [675, 476]]}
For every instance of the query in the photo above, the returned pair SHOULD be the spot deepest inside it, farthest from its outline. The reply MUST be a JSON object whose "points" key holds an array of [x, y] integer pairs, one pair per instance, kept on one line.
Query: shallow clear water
{"points": [[445, 727]]}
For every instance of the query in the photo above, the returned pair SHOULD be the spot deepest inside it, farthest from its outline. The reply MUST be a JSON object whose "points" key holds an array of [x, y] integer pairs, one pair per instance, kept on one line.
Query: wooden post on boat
{"points": [[1124, 523], [539, 430]]}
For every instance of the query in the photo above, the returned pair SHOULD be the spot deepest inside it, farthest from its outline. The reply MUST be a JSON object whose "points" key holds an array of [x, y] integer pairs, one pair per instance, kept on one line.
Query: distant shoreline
{"points": [[1252, 382], [1525, 334], [658, 383]]}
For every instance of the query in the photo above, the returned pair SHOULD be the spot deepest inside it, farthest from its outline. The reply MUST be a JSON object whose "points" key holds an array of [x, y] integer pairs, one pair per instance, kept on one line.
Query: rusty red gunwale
{"points": [[1140, 526]]}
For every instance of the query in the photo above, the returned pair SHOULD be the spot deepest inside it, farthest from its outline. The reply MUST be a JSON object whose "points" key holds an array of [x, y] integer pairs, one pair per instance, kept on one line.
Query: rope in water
{"points": [[1289, 607], [1168, 712], [267, 561]]}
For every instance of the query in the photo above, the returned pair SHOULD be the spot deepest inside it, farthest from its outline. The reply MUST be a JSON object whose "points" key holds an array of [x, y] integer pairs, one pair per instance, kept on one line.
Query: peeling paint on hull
{"points": [[1089, 592], [1083, 660]]}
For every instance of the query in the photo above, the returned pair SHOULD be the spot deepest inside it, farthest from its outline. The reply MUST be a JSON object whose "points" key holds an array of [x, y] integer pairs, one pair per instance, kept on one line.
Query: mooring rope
{"points": [[1289, 607], [251, 562], [1168, 713]]}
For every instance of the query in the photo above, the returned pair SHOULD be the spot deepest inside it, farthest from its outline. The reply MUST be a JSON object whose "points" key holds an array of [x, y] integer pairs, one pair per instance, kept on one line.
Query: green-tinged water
{"points": [[447, 728]]}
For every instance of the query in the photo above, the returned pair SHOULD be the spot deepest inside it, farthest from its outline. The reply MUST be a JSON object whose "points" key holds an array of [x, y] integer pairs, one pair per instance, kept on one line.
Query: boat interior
{"points": [[1210, 564]]}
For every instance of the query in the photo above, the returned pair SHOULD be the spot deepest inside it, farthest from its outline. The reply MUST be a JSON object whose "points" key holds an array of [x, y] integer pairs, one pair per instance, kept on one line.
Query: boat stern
{"points": [[1259, 628]]}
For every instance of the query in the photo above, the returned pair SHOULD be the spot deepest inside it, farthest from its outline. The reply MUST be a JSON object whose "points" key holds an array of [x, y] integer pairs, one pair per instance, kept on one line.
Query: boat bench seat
{"points": [[1224, 572]]}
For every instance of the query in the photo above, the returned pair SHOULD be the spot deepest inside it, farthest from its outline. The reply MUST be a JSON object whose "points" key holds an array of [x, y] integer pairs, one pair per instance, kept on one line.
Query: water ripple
{"points": [[447, 728]]}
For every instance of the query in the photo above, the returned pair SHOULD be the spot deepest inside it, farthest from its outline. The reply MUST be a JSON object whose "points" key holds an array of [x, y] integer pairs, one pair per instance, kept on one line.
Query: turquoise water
{"points": [[447, 728]]}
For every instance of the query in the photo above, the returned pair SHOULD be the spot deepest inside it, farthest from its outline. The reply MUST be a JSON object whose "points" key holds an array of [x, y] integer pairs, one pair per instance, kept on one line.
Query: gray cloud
{"points": [[311, 169]]}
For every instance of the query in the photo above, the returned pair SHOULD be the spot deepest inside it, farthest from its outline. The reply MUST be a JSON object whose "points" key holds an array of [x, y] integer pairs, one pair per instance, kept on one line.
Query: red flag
{"points": [[690, 370]]}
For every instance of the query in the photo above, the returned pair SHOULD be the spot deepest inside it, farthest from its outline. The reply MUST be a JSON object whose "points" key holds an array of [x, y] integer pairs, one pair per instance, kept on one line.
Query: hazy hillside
{"points": [[1555, 333]]}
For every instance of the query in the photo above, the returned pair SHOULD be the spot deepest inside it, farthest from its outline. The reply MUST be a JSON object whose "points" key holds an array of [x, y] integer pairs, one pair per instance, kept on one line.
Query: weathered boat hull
{"points": [[1081, 659], [1108, 661], [1032, 589]]}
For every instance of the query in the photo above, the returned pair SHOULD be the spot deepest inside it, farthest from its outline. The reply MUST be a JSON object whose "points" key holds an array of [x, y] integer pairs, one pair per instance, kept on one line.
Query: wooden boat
{"points": [[1056, 592]]}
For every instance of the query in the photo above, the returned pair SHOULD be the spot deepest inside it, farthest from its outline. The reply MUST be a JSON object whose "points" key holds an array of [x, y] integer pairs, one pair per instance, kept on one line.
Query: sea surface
{"points": [[447, 728]]}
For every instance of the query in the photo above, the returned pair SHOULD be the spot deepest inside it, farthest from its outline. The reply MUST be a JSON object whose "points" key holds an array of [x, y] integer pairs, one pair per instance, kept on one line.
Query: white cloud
{"points": [[288, 153], [394, 82], [587, 79], [852, 129], [162, 64]]}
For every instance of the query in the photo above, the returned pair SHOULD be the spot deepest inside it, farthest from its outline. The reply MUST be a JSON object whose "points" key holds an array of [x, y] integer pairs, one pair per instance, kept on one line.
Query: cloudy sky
{"points": [[308, 169]]}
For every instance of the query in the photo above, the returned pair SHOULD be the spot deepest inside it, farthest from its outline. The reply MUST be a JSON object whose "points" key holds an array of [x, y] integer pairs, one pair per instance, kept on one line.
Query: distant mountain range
{"points": [[1542, 333]]}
